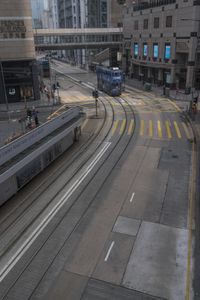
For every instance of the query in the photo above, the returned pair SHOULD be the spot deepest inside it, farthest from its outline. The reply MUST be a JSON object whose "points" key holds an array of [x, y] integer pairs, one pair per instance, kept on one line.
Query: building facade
{"points": [[161, 42], [18, 68], [53, 9], [88, 14], [37, 7]]}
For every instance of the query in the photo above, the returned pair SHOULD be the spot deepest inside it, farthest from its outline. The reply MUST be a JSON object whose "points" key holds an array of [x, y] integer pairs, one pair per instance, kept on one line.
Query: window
{"points": [[169, 21], [156, 22], [145, 24], [136, 25]]}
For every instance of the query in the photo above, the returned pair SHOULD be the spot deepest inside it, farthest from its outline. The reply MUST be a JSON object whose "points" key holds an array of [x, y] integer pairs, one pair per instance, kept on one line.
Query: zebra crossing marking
{"points": [[169, 134], [131, 126], [177, 130]]}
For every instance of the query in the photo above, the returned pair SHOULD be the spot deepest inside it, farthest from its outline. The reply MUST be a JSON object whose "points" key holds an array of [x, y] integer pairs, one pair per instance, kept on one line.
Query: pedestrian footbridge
{"points": [[81, 38]]}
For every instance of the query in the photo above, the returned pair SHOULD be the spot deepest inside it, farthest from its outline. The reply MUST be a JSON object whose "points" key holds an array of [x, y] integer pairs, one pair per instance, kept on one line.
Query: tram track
{"points": [[48, 181], [36, 217]]}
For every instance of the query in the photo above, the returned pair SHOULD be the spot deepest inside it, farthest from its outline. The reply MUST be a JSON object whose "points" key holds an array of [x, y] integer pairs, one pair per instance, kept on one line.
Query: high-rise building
{"points": [[88, 14], [69, 13], [18, 69], [44, 13], [53, 16], [37, 7]]}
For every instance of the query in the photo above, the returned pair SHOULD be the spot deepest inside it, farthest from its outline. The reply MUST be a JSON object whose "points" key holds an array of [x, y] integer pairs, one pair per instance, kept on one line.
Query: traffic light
{"points": [[54, 87], [95, 94]]}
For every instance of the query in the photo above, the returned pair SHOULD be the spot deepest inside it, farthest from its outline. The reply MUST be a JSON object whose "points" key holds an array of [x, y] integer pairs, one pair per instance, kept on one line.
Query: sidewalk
{"points": [[179, 97]]}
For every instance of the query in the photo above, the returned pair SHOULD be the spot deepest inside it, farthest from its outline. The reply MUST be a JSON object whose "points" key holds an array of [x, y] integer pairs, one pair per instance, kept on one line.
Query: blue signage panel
{"points": [[145, 49], [136, 49], [155, 51], [167, 51]]}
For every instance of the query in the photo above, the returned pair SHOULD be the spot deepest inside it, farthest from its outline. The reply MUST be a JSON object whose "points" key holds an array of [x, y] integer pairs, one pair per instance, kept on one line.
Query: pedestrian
{"points": [[48, 97], [35, 116], [195, 99], [194, 108], [29, 112], [46, 89]]}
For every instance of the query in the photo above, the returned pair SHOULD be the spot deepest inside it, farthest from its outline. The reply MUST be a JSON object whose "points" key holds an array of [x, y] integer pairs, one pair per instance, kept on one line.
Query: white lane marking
{"points": [[91, 84], [133, 195], [109, 251], [93, 163], [4, 270]]}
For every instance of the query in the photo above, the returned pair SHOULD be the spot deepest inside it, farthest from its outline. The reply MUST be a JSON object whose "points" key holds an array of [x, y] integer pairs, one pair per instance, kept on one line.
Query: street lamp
{"points": [[4, 89], [196, 53]]}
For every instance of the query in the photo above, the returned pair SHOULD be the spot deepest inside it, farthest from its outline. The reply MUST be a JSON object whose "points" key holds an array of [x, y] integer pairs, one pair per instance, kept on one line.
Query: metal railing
{"points": [[151, 4]]}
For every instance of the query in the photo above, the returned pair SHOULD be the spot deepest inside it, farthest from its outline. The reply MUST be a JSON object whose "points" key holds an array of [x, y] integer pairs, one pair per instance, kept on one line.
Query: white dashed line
{"points": [[109, 251], [131, 200]]}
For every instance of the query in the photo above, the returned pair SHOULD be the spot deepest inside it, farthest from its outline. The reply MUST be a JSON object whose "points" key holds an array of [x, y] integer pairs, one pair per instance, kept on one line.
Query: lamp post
{"points": [[4, 89], [196, 53], [50, 77]]}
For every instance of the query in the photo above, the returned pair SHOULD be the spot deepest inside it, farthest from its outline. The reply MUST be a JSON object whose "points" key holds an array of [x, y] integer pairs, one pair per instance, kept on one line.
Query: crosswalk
{"points": [[141, 104], [155, 129]]}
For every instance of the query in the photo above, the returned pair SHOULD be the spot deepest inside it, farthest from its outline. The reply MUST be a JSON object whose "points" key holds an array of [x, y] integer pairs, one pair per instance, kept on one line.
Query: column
{"points": [[173, 77], [160, 76], [149, 74], [191, 62]]}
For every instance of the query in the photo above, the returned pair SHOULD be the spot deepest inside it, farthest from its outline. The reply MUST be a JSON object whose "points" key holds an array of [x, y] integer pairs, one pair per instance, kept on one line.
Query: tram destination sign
{"points": [[12, 29]]}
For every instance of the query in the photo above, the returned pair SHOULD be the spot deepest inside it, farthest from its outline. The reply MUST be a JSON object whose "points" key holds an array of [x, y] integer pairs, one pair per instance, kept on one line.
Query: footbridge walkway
{"points": [[81, 38]]}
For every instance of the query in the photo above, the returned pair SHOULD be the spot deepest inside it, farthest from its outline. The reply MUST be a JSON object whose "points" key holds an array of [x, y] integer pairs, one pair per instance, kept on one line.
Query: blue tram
{"points": [[110, 80]]}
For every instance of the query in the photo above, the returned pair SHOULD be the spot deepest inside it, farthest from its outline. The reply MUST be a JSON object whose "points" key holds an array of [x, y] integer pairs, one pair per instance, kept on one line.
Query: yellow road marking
{"points": [[122, 126], [55, 113], [150, 128], [142, 127], [115, 126], [177, 130], [159, 129], [190, 221], [169, 134], [186, 131], [131, 126]]}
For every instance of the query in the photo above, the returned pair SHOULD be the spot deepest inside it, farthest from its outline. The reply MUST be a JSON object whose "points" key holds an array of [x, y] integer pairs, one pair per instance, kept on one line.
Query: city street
{"points": [[124, 230]]}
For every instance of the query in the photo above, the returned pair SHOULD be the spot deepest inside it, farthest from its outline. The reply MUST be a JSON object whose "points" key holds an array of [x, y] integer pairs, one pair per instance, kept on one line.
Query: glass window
{"points": [[156, 22], [145, 24], [136, 25], [169, 21]]}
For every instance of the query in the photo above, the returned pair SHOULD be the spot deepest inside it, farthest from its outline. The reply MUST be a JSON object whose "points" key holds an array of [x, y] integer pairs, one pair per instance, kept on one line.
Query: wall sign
{"points": [[12, 29]]}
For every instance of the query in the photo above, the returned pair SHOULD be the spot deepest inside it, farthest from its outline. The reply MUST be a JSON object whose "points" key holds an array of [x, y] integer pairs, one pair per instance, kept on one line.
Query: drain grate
{"points": [[174, 156]]}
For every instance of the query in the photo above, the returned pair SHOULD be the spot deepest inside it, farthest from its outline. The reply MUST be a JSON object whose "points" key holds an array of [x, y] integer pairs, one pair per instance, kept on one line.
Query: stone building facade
{"points": [[18, 68], [161, 42]]}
